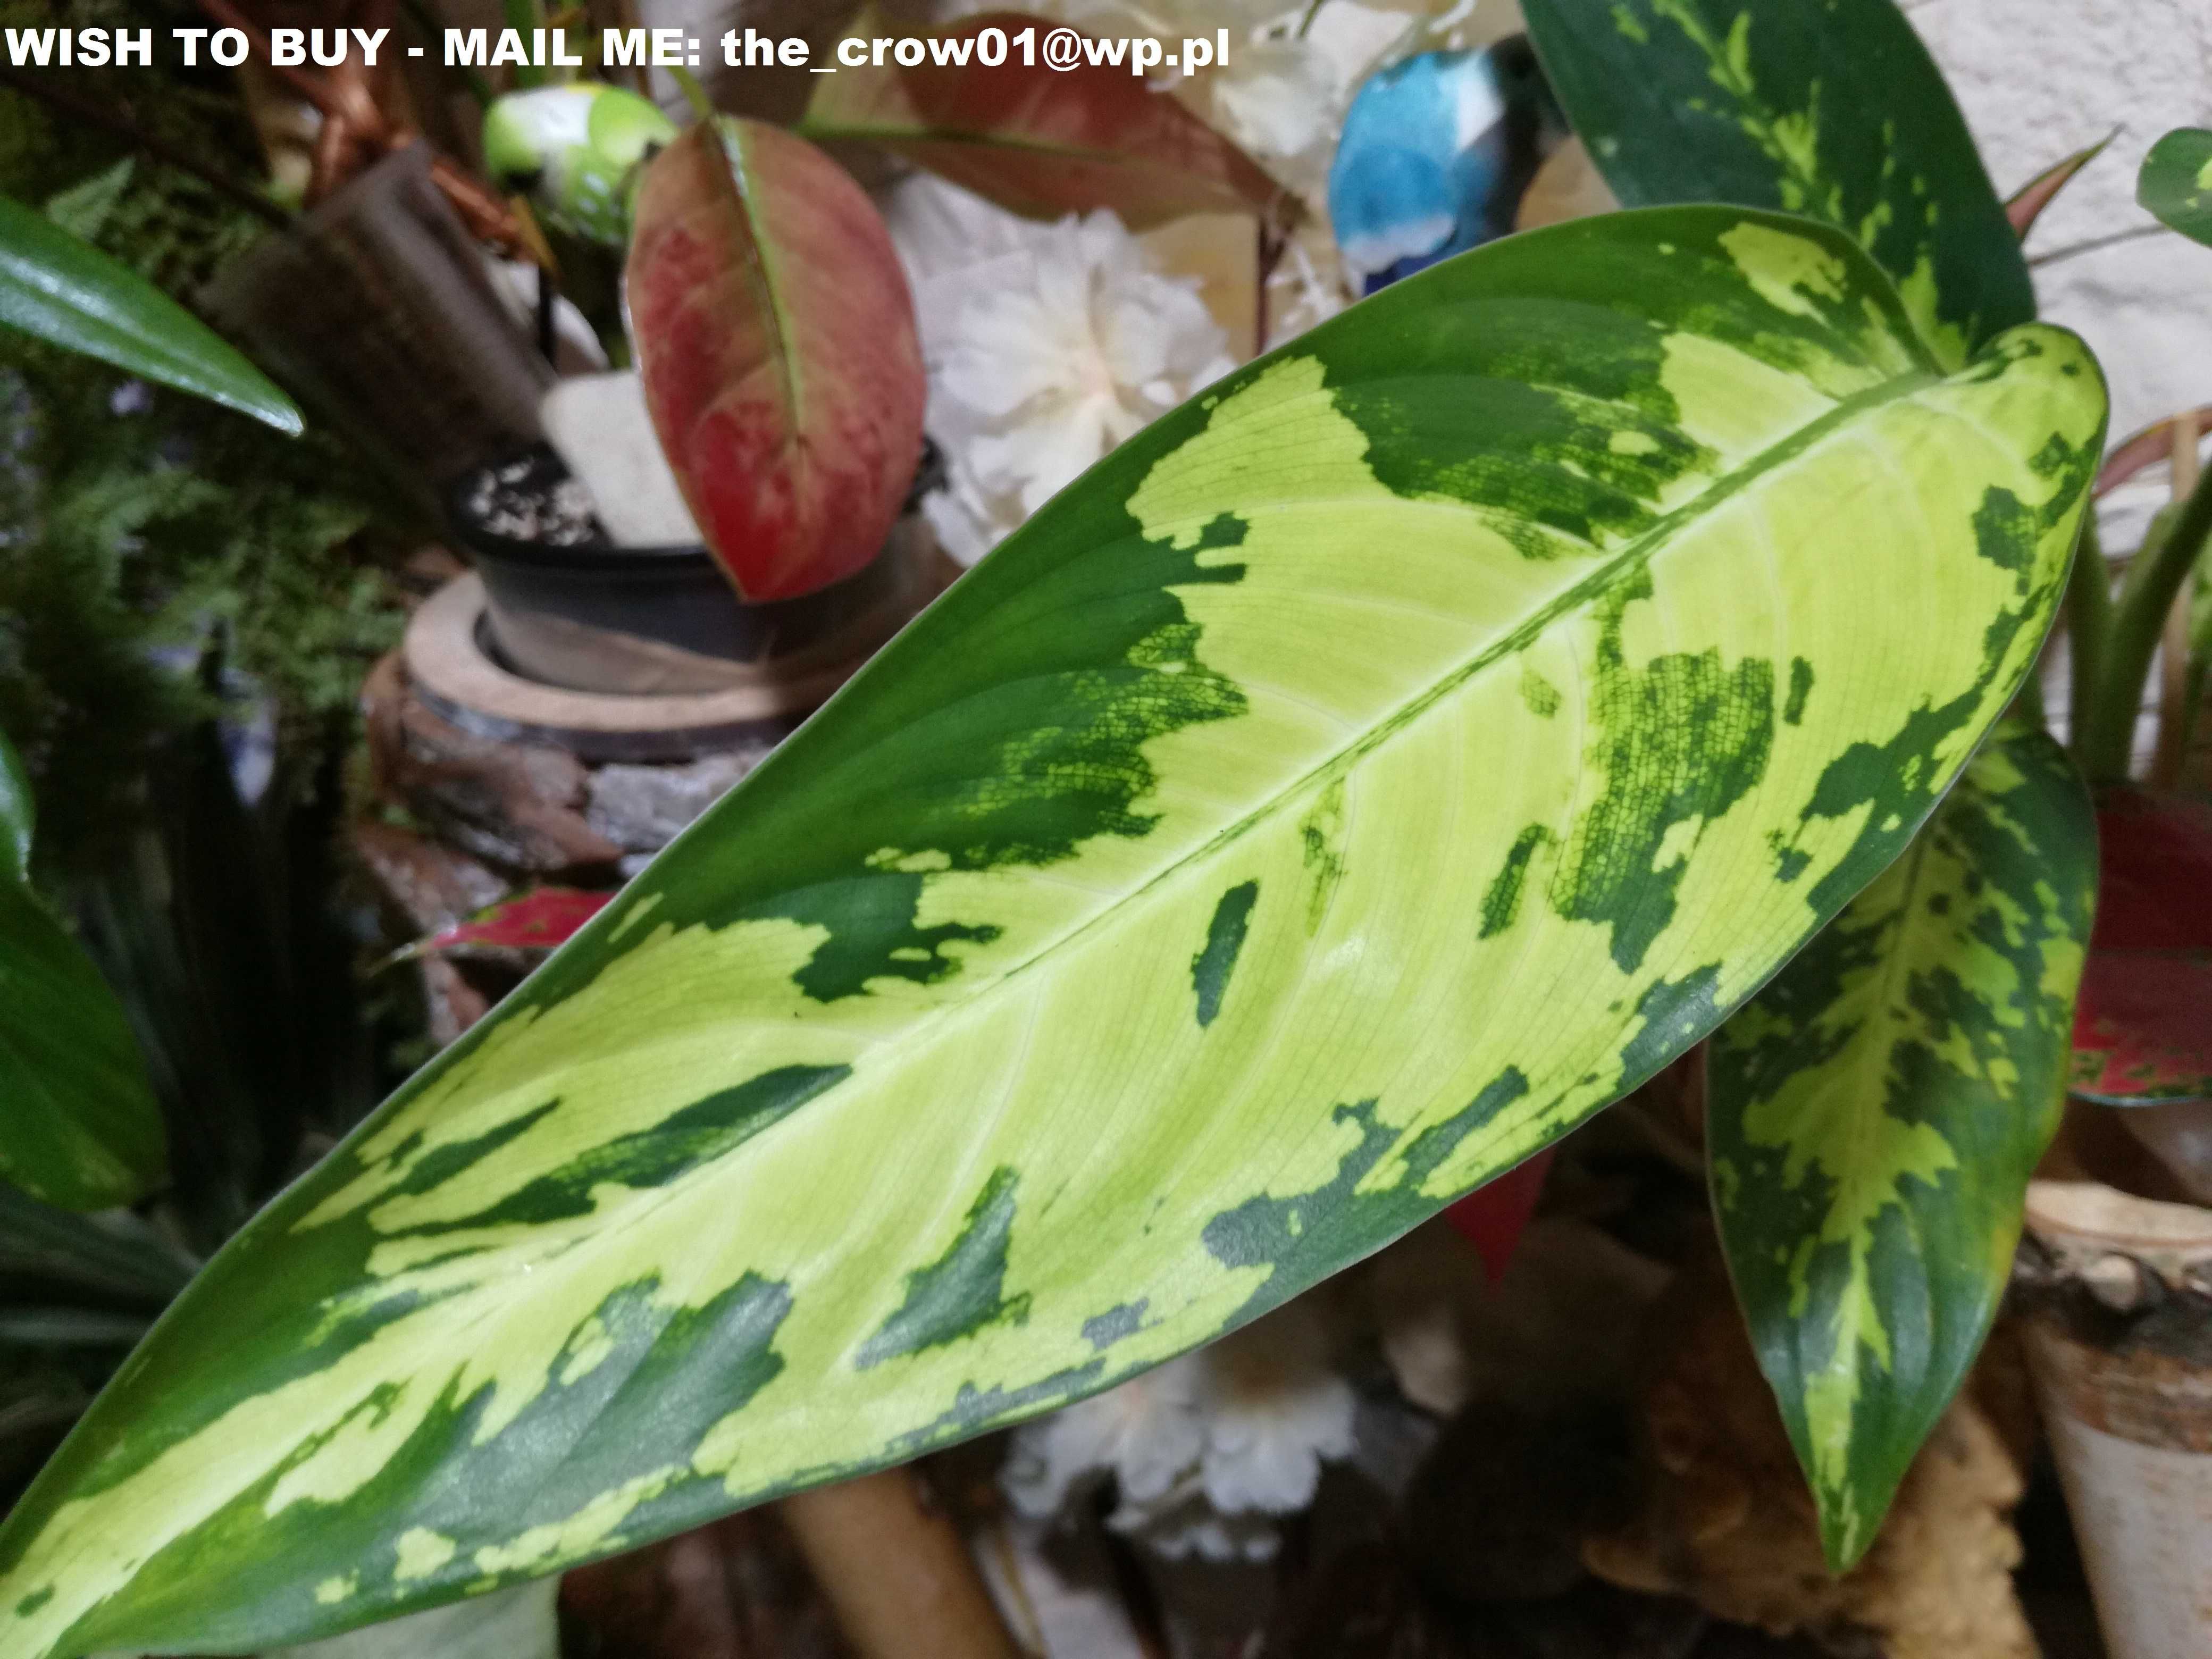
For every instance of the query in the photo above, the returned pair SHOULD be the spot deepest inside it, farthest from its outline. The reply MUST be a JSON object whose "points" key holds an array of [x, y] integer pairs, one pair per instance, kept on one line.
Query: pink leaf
{"points": [[2024, 209], [538, 920], [2142, 1029]]}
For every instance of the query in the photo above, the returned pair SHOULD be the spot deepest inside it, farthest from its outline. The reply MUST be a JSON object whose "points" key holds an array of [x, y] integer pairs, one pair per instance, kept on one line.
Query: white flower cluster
{"points": [[1206, 1449], [1047, 346]]}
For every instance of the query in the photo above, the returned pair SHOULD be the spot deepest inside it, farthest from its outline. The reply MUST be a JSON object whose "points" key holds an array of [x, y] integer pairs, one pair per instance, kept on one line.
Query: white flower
{"points": [[1193, 1527], [1204, 1449], [1274, 1410], [1047, 346], [1147, 1433]]}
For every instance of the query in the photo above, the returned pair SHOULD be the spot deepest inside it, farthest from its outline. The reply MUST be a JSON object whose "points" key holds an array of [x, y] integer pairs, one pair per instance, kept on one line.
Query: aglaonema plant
{"points": [[773, 334], [1368, 772]]}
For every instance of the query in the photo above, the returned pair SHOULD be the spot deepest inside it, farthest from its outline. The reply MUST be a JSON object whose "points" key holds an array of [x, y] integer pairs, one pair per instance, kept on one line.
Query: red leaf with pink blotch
{"points": [[538, 920], [777, 342], [2142, 1028]]}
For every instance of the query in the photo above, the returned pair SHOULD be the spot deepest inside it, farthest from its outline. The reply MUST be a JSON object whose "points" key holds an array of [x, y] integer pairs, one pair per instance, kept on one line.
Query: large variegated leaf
{"points": [[1835, 110], [1367, 772], [1874, 1113]]}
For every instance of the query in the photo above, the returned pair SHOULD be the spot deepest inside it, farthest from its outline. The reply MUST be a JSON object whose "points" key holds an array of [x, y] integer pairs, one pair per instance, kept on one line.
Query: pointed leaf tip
{"points": [[67, 293]]}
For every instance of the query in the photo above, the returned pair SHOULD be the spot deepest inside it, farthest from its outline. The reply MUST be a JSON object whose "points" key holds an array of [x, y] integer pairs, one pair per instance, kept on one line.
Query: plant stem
{"points": [[2089, 623], [2104, 729], [2073, 250], [2173, 710], [896, 1571]]}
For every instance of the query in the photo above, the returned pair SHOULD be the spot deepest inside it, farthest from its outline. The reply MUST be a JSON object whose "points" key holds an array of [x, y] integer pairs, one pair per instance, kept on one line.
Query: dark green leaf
{"points": [[70, 295], [78, 1124], [18, 815], [2176, 182], [116, 1255], [1834, 110]]}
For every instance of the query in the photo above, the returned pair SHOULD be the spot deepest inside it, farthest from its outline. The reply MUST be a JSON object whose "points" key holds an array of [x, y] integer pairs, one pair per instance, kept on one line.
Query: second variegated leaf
{"points": [[1834, 110], [1876, 1112]]}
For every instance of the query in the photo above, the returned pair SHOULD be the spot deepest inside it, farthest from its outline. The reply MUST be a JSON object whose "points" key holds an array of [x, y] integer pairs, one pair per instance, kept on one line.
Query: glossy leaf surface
{"points": [[2144, 1031], [777, 342], [2176, 182], [1874, 1113], [69, 294], [79, 1127], [1834, 110], [1371, 769], [1040, 141]]}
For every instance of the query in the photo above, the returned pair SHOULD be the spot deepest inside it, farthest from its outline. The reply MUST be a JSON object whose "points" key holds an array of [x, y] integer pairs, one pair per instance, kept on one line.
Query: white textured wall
{"points": [[2039, 79]]}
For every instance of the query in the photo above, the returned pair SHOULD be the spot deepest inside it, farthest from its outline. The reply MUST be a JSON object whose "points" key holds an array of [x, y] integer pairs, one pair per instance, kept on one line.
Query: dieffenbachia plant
{"points": [[1364, 774], [1875, 1113], [1878, 1109]]}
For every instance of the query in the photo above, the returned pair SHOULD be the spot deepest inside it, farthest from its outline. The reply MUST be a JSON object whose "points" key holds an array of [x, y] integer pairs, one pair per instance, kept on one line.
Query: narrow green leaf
{"points": [[2026, 205], [69, 1328], [2176, 183], [1876, 1112], [79, 1126], [1194, 899], [18, 815], [70, 295], [1835, 110], [117, 1255]]}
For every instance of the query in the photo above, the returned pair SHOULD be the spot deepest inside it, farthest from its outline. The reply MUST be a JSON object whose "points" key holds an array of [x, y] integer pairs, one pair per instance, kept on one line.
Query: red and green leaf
{"points": [[537, 920], [777, 340], [2143, 1032]]}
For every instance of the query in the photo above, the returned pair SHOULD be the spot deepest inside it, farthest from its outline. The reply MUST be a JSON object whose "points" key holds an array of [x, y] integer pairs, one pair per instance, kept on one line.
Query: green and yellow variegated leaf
{"points": [[1358, 779], [1834, 110], [1876, 1112]]}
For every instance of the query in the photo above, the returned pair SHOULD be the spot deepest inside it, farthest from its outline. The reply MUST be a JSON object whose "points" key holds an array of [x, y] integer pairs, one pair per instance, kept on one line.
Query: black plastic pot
{"points": [[592, 616]]}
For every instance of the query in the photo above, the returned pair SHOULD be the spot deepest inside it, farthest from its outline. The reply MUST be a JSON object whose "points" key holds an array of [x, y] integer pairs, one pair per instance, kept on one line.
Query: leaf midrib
{"points": [[1629, 557]]}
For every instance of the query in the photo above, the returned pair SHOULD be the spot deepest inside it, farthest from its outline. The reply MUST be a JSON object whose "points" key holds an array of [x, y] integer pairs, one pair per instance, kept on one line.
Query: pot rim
{"points": [[604, 557]]}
